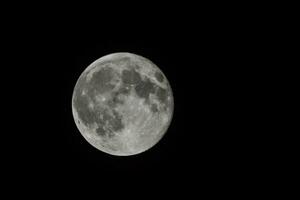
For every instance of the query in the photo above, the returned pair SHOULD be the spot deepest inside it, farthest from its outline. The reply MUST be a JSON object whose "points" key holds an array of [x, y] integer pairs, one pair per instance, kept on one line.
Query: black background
{"points": [[207, 55]]}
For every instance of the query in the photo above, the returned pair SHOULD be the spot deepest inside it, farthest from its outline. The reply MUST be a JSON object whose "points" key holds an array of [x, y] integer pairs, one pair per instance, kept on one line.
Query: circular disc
{"points": [[122, 104]]}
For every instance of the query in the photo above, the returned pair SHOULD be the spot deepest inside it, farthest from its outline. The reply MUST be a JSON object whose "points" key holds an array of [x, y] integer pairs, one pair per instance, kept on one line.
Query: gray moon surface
{"points": [[122, 104]]}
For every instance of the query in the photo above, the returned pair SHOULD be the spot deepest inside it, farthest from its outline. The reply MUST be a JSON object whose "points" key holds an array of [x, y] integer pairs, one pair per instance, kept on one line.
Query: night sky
{"points": [[204, 59]]}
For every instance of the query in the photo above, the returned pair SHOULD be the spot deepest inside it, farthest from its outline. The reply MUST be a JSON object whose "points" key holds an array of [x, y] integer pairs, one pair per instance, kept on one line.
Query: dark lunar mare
{"points": [[130, 77], [162, 95], [144, 87], [99, 83], [147, 87], [158, 75], [101, 80], [154, 108]]}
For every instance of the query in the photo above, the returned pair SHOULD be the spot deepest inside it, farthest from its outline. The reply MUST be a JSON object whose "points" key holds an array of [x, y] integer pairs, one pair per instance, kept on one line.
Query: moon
{"points": [[122, 104]]}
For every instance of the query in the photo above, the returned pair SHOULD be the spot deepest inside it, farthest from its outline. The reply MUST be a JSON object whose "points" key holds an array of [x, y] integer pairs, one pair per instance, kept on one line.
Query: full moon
{"points": [[122, 104]]}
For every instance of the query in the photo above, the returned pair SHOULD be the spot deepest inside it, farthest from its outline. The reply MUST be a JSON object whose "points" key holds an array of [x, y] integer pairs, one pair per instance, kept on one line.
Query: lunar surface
{"points": [[122, 104]]}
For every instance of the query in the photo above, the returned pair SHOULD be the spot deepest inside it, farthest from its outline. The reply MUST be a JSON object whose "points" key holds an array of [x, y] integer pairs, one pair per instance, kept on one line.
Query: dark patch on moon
{"points": [[130, 77], [89, 116], [162, 95], [144, 89], [158, 75], [154, 108], [101, 80], [99, 83]]}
